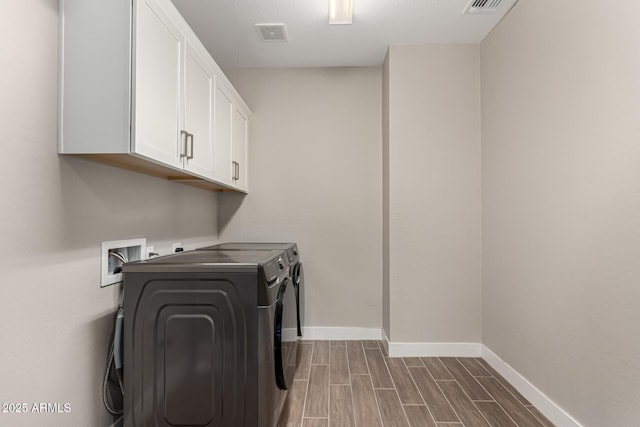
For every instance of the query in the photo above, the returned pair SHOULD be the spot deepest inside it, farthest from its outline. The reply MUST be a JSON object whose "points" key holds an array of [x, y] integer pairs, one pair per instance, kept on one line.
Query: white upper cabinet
{"points": [[230, 139], [239, 138], [223, 166], [144, 94], [158, 118], [198, 123]]}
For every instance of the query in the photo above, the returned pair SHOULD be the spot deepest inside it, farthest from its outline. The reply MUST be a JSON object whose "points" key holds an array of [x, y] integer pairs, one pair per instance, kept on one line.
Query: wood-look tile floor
{"points": [[352, 383]]}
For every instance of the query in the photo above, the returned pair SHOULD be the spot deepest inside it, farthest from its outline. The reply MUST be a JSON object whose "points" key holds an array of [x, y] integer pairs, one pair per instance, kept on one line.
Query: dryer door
{"points": [[285, 339], [298, 284]]}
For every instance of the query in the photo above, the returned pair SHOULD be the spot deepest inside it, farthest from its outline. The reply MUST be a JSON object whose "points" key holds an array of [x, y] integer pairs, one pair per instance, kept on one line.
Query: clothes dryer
{"points": [[295, 268], [203, 339]]}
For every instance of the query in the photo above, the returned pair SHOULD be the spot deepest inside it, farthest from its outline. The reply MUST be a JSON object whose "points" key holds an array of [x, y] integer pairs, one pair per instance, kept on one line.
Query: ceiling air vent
{"points": [[272, 32], [482, 6]]}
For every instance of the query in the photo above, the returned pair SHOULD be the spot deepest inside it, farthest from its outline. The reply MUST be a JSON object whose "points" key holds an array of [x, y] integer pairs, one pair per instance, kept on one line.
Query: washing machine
{"points": [[295, 269], [203, 339]]}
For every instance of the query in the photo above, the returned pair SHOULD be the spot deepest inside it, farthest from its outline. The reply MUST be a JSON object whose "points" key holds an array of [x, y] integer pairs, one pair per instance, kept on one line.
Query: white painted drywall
{"points": [[315, 178], [55, 320], [561, 203], [434, 193]]}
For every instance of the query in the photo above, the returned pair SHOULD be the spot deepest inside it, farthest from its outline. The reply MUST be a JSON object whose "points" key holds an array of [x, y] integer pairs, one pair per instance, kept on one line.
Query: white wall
{"points": [[561, 203], [434, 193], [55, 320], [315, 178]]}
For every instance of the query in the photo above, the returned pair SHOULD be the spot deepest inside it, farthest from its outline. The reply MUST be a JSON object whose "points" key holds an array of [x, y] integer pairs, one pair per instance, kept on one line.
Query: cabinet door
{"points": [[223, 111], [198, 113], [158, 113], [239, 137]]}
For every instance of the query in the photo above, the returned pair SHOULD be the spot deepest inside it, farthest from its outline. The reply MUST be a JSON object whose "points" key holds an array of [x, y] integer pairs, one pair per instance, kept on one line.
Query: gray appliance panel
{"points": [[291, 249], [244, 257], [295, 267], [233, 246], [215, 383], [269, 266]]}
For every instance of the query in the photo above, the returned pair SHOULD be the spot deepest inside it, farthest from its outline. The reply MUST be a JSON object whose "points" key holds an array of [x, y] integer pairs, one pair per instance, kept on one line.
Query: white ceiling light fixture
{"points": [[340, 12]]}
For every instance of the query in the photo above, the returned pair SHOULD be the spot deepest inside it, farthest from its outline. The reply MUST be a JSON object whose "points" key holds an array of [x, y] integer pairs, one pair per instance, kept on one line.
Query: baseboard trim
{"points": [[550, 409], [338, 333], [435, 349]]}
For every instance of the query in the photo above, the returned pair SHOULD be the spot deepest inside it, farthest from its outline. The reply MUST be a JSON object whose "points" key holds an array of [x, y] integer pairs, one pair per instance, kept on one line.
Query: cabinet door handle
{"points": [[183, 143], [237, 171], [189, 146]]}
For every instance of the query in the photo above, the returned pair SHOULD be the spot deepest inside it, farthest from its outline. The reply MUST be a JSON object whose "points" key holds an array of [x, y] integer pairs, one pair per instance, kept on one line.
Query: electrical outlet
{"points": [[151, 252], [116, 253], [176, 247]]}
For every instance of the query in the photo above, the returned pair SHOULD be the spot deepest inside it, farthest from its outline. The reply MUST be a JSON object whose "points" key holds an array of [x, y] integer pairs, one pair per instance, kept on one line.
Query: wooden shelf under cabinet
{"points": [[136, 164]]}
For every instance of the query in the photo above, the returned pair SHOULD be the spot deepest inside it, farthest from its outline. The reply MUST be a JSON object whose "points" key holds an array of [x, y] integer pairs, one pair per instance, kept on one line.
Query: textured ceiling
{"points": [[227, 29]]}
